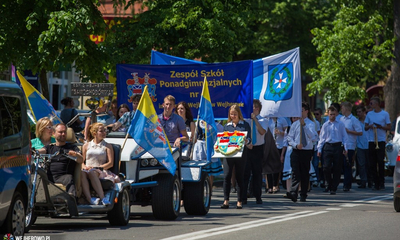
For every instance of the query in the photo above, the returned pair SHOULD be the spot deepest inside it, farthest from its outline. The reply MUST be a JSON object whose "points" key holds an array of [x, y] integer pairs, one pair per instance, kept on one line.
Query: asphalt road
{"points": [[358, 214]]}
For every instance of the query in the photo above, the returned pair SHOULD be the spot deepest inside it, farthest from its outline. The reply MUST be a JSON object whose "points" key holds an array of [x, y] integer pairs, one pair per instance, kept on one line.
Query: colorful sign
{"points": [[228, 83]]}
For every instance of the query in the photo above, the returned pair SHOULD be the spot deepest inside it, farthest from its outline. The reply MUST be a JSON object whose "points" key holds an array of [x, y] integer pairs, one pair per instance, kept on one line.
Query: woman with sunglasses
{"points": [[44, 133]]}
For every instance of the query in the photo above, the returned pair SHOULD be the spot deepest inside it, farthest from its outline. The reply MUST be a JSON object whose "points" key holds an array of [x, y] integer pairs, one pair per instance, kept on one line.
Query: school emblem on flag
{"points": [[228, 143], [280, 82]]}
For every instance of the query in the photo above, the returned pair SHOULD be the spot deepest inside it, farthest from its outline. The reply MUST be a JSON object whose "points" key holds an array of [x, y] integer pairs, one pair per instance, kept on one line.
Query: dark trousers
{"points": [[273, 178], [300, 162], [333, 164], [239, 164], [253, 167], [347, 169], [377, 168], [67, 180]]}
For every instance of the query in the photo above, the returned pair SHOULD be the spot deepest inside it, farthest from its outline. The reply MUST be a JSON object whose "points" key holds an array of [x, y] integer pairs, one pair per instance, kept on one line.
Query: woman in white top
{"points": [[98, 156]]}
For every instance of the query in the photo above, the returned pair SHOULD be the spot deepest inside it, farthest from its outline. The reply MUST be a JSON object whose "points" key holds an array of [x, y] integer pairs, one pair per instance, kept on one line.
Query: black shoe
{"points": [[345, 189], [223, 206], [362, 186], [233, 190], [370, 185], [333, 192], [302, 199], [244, 202], [326, 190], [375, 189], [291, 196], [259, 201]]}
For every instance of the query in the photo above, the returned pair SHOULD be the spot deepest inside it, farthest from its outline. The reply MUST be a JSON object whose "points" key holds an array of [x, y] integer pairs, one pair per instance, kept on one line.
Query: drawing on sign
{"points": [[137, 84]]}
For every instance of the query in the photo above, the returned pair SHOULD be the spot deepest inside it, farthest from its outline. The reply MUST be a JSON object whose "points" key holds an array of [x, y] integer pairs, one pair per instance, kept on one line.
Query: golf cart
{"points": [[152, 184]]}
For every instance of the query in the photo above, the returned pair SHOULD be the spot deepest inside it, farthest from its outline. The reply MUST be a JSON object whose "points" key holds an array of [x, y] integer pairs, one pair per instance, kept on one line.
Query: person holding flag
{"points": [[173, 124], [149, 133]]}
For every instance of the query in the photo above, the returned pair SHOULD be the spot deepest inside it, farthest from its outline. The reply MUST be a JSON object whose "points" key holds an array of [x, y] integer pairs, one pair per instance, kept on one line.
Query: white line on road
{"points": [[241, 226], [272, 220]]}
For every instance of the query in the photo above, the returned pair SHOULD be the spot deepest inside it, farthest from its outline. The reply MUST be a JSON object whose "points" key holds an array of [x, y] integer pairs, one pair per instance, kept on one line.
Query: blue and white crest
{"points": [[280, 82]]}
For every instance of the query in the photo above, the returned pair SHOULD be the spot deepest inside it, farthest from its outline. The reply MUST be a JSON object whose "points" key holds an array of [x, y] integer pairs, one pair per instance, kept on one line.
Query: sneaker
{"points": [[94, 201], [105, 201]]}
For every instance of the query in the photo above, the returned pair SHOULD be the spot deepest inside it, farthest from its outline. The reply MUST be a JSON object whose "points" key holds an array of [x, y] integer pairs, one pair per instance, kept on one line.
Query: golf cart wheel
{"points": [[166, 197], [120, 214], [197, 196]]}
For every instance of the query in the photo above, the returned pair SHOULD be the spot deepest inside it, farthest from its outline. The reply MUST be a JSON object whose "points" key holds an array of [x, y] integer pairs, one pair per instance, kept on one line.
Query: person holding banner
{"points": [[255, 155], [301, 136], [174, 125], [236, 123]]}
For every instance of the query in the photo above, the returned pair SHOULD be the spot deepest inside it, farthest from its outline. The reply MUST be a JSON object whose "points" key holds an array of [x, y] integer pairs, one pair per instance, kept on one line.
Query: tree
{"points": [[211, 30], [44, 35], [355, 50], [392, 87]]}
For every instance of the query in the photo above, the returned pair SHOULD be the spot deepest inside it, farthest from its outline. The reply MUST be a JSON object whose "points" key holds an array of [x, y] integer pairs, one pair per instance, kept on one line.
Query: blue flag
{"points": [[206, 114], [37, 103], [148, 133], [158, 58]]}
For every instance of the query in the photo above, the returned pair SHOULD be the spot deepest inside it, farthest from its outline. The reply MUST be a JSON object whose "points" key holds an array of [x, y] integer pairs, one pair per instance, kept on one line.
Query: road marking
{"points": [[245, 225], [272, 220]]}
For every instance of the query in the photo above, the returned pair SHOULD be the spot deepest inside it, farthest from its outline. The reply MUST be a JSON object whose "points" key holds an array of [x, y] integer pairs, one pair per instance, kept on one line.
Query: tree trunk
{"points": [[44, 84], [392, 87]]}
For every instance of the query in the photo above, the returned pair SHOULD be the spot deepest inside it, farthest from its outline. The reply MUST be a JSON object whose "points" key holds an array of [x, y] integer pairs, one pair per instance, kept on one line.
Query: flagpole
{"points": [[194, 138]]}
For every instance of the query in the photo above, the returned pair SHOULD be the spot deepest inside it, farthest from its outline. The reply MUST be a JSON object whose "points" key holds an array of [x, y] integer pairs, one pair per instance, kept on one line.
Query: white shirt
{"points": [[332, 132], [264, 124], [309, 130], [352, 124], [280, 124], [381, 118]]}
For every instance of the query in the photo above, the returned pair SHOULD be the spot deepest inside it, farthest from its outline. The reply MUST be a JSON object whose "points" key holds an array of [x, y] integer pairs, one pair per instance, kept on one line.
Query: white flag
{"points": [[277, 84]]}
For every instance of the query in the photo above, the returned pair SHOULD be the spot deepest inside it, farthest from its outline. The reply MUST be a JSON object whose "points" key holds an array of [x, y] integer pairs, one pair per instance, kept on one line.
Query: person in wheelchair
{"points": [[98, 157], [62, 165]]}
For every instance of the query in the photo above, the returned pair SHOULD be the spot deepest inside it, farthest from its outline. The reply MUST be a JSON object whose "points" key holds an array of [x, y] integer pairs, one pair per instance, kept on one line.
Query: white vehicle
{"points": [[393, 147], [152, 184]]}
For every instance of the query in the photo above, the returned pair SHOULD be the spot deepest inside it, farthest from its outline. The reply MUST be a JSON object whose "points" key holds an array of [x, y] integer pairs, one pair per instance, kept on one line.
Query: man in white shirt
{"points": [[377, 120], [301, 137], [353, 129], [332, 136], [255, 155]]}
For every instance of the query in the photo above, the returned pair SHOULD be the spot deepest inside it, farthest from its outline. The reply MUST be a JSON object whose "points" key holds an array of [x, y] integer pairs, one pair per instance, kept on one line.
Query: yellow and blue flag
{"points": [[206, 114], [38, 104], [148, 133]]}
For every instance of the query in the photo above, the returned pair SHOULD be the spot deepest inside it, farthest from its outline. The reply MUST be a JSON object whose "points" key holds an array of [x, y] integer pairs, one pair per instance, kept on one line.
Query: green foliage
{"points": [[353, 52], [49, 34], [218, 31]]}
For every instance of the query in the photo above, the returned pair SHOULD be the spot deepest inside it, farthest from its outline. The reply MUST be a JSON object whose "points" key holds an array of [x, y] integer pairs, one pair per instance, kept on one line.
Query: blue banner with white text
{"points": [[229, 83]]}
